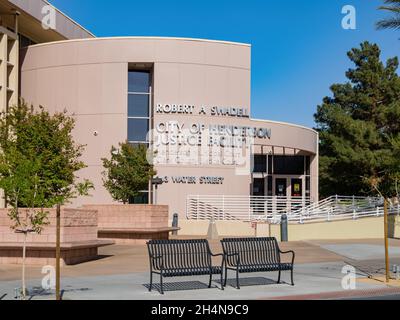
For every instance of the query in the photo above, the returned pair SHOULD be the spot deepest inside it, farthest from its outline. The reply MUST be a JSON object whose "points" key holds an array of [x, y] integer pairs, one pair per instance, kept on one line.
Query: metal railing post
{"points": [[188, 206], [223, 207], [175, 223], [284, 228], [249, 208]]}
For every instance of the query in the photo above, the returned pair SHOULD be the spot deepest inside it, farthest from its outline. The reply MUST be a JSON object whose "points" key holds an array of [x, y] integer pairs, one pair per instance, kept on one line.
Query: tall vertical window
{"points": [[139, 94], [139, 115], [308, 175]]}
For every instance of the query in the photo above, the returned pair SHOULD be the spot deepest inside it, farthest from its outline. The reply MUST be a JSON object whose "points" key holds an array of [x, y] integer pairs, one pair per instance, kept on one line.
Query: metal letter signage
{"points": [[193, 180], [238, 112]]}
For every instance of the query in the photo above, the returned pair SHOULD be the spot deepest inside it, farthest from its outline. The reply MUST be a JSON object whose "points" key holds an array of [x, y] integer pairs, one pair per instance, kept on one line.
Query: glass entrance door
{"points": [[259, 187], [258, 191], [297, 188], [280, 187]]}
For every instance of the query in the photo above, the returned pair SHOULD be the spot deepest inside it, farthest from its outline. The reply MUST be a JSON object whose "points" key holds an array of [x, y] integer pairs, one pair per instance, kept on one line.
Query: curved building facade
{"points": [[189, 99]]}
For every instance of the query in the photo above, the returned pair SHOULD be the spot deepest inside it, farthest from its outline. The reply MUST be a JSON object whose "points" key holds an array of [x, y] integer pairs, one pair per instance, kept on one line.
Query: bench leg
{"points": [[151, 281], [237, 279], [222, 279], [209, 285], [279, 277], [291, 276], [161, 284], [226, 276]]}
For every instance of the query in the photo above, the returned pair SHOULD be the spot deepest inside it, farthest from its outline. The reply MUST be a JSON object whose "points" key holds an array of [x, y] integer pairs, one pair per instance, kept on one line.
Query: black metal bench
{"points": [[174, 258], [254, 255]]}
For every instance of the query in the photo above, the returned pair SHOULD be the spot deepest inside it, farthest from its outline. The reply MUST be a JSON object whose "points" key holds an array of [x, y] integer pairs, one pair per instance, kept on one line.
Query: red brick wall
{"points": [[76, 225], [130, 216]]}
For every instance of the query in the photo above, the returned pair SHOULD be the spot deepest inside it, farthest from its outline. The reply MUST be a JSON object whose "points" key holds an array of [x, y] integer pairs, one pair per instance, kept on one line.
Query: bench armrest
{"points": [[286, 252], [233, 255], [217, 254], [156, 257]]}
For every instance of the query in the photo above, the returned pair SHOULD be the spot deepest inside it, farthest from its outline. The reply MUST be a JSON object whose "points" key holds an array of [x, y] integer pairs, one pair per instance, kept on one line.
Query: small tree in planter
{"points": [[127, 172], [38, 161]]}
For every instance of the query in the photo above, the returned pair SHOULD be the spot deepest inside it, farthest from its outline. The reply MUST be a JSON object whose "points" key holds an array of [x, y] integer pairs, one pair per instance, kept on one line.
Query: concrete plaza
{"points": [[121, 273]]}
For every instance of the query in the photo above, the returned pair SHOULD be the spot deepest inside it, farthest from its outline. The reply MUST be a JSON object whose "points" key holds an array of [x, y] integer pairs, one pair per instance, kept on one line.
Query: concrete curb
{"points": [[341, 294]]}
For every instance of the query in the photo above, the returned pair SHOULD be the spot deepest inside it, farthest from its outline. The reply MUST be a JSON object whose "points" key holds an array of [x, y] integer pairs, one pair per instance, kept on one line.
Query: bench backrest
{"points": [[180, 254], [251, 250]]}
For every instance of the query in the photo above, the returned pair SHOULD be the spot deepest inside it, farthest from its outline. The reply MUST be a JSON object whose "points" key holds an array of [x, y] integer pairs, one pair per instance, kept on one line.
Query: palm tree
{"points": [[393, 22]]}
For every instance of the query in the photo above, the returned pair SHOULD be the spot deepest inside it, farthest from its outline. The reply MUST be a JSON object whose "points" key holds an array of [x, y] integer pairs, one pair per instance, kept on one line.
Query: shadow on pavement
{"points": [[179, 286], [37, 292], [251, 281], [198, 285]]}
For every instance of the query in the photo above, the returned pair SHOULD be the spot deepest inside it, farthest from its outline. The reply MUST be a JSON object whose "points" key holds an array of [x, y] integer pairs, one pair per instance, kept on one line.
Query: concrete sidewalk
{"points": [[309, 279], [124, 259], [122, 274]]}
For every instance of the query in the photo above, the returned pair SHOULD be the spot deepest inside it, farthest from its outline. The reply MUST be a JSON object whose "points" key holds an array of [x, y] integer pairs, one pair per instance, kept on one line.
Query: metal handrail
{"points": [[270, 208], [228, 207]]}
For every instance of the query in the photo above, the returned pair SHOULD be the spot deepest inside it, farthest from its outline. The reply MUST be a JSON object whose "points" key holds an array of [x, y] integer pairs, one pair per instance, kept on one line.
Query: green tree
{"points": [[360, 129], [38, 161], [392, 6], [127, 172]]}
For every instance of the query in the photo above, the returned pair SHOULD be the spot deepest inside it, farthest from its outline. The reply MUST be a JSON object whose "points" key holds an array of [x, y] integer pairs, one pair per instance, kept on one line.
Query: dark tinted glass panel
{"points": [[146, 144], [260, 163], [24, 41], [280, 187], [308, 186], [142, 198], [269, 164], [138, 105], [308, 161], [289, 165], [297, 187], [258, 187], [138, 129], [269, 187], [138, 81]]}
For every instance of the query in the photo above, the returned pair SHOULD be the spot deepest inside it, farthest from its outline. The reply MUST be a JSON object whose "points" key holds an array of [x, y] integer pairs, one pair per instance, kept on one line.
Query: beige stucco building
{"points": [[178, 96]]}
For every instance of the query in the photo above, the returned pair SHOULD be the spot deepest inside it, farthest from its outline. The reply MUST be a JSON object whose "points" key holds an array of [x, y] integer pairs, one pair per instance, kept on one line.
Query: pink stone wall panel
{"points": [[130, 216], [76, 225]]}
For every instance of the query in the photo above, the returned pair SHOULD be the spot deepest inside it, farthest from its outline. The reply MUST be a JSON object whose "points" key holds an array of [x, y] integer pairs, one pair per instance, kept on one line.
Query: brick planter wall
{"points": [[79, 240], [131, 223]]}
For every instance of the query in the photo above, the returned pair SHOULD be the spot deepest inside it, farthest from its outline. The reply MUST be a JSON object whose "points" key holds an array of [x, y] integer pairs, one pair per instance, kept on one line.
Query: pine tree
{"points": [[360, 129]]}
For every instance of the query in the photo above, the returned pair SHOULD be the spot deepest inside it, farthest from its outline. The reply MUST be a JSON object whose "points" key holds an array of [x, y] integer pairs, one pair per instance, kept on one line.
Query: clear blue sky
{"points": [[298, 47]]}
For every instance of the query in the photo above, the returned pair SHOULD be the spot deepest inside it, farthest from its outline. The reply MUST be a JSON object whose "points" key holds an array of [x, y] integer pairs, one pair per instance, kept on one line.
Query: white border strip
{"points": [[145, 38], [287, 124]]}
